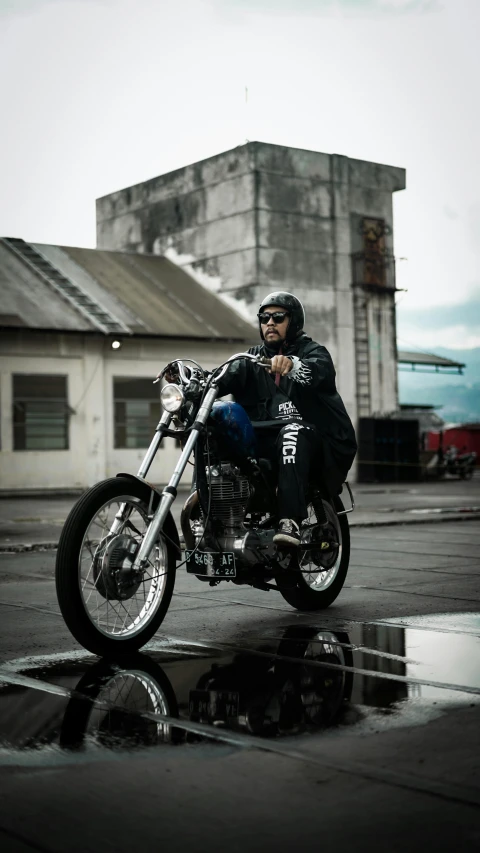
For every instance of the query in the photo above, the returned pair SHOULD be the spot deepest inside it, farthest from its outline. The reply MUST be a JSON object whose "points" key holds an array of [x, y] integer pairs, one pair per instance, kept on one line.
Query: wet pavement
{"points": [[245, 724], [291, 682], [28, 523]]}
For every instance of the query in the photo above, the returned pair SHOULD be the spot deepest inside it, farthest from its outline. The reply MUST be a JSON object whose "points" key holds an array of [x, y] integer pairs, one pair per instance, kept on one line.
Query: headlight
{"points": [[172, 398]]}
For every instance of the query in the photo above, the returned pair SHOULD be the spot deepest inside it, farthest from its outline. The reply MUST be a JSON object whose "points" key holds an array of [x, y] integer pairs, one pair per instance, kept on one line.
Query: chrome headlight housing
{"points": [[172, 398]]}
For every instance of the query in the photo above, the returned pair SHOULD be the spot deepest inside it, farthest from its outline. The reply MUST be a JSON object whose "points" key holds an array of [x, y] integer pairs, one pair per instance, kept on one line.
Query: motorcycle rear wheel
{"points": [[317, 589], [104, 618]]}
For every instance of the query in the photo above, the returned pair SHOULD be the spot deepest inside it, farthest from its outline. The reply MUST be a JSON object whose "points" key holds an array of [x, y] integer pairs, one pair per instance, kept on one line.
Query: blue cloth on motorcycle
{"points": [[236, 428]]}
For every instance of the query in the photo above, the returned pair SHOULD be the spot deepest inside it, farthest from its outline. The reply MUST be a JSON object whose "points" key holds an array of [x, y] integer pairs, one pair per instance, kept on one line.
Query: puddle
{"points": [[289, 682], [465, 623]]}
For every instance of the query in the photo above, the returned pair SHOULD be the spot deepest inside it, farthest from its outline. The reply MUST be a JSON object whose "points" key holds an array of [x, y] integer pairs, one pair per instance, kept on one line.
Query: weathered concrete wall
{"points": [[383, 356], [205, 211], [264, 217], [370, 194]]}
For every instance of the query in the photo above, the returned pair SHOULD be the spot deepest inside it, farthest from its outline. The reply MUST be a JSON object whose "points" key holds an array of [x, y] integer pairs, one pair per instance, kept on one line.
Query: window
{"points": [[40, 412], [136, 411]]}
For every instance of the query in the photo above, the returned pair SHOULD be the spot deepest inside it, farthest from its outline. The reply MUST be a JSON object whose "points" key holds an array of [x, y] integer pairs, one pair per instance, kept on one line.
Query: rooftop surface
{"points": [[67, 289], [426, 359]]}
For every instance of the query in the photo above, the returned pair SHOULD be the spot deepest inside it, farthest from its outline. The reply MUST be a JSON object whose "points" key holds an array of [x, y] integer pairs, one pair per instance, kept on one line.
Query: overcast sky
{"points": [[101, 94]]}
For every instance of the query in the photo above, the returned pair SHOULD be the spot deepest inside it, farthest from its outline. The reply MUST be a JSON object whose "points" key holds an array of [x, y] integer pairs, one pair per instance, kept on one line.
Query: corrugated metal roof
{"points": [[148, 295], [425, 359], [61, 259], [165, 298], [27, 297]]}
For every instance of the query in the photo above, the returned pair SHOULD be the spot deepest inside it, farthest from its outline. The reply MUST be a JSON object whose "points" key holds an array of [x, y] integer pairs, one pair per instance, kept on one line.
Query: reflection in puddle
{"points": [[429, 656], [126, 706], [291, 681], [466, 623]]}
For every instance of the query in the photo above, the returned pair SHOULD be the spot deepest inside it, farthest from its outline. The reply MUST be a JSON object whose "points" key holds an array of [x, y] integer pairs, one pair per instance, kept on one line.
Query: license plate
{"points": [[216, 564], [213, 704]]}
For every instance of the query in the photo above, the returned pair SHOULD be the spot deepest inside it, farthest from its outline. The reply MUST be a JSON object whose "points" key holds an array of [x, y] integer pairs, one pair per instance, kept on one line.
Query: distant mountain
{"points": [[458, 395]]}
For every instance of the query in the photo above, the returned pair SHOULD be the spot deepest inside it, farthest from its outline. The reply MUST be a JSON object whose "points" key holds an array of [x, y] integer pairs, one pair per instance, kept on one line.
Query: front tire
{"points": [[317, 589], [111, 704], [106, 617]]}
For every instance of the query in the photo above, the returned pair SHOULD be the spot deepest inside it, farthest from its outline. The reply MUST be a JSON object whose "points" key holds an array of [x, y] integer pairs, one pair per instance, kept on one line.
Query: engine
{"points": [[230, 491]]}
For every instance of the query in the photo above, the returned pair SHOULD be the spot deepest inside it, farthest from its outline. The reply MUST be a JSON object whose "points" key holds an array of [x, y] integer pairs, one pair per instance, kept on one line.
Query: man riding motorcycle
{"points": [[119, 548], [299, 418]]}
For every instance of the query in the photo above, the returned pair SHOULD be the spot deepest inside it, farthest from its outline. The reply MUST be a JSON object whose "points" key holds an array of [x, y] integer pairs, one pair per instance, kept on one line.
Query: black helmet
{"points": [[291, 304]]}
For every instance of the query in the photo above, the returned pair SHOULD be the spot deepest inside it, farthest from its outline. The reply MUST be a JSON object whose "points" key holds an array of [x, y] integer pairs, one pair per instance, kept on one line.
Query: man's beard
{"points": [[274, 346]]}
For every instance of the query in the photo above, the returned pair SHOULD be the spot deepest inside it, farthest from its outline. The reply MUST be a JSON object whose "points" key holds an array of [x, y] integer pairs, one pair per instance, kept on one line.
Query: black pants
{"points": [[292, 449]]}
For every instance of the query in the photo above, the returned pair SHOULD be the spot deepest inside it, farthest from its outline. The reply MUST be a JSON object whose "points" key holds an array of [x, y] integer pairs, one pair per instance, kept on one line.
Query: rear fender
{"points": [[169, 526]]}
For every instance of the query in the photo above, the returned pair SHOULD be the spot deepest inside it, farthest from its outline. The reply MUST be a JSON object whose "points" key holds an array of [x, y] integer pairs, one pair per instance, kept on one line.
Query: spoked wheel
{"points": [[324, 691], [127, 701], [109, 608], [320, 574]]}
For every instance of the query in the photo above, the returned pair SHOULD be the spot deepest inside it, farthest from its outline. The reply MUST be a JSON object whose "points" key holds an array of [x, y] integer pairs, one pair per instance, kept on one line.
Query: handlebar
{"points": [[181, 370], [258, 359], [261, 360]]}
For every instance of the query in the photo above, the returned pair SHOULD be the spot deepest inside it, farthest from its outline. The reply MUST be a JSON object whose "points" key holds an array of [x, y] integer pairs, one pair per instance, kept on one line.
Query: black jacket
{"points": [[311, 388]]}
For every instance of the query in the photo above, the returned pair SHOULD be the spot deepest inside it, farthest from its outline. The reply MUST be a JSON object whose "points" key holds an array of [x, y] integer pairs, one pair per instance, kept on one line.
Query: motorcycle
{"points": [[461, 465], [118, 551]]}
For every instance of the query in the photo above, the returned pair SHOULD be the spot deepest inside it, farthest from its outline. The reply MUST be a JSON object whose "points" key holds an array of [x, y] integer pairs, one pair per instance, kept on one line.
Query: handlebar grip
{"points": [[265, 361]]}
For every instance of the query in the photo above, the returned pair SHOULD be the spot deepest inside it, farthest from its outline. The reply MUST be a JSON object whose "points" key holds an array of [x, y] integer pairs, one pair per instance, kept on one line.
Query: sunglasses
{"points": [[277, 317]]}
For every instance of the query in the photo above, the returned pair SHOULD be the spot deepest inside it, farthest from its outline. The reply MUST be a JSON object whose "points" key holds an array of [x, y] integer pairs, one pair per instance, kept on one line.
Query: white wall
{"points": [[34, 468], [90, 365]]}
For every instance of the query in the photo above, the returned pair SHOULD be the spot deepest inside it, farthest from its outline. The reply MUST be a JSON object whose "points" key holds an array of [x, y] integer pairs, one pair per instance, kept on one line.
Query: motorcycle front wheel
{"points": [[109, 609], [114, 704], [315, 583]]}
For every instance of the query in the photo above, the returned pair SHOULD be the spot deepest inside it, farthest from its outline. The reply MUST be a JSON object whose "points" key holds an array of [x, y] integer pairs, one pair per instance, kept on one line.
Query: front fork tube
{"points": [[170, 492], [124, 510], [154, 445]]}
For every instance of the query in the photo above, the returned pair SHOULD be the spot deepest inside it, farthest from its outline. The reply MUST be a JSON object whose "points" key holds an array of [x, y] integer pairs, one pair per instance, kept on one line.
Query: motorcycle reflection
{"points": [[124, 705]]}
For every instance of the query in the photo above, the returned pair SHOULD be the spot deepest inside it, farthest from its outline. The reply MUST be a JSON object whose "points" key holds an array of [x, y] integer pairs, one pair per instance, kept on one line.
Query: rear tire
{"points": [[333, 688], [293, 584], [74, 592]]}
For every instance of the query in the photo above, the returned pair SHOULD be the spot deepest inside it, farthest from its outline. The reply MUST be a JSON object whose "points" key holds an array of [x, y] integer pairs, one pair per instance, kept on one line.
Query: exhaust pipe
{"points": [[188, 507]]}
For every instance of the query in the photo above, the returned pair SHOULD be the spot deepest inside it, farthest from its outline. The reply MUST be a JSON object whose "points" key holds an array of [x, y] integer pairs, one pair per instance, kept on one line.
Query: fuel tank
{"points": [[235, 430]]}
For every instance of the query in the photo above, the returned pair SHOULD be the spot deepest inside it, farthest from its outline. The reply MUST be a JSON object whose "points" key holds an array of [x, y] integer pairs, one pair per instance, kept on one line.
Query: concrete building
{"points": [[75, 410], [264, 217]]}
